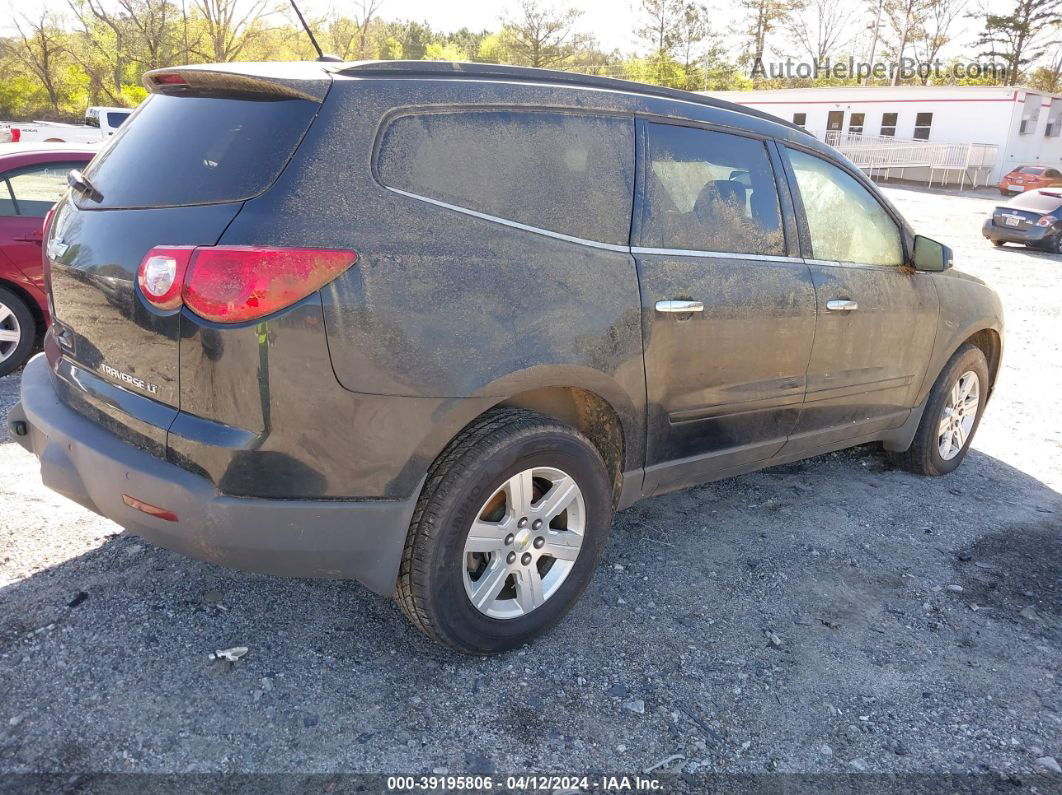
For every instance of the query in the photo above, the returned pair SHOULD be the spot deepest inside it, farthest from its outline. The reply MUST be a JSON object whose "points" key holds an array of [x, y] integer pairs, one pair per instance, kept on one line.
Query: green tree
{"points": [[541, 35], [40, 47], [1021, 37], [661, 29]]}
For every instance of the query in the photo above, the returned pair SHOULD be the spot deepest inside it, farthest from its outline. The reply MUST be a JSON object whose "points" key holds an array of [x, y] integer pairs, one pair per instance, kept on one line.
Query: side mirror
{"points": [[929, 255]]}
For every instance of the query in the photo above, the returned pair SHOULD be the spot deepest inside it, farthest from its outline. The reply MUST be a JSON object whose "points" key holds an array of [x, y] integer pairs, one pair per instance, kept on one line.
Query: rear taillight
{"points": [[235, 284], [47, 220], [16, 135], [161, 275], [1046, 220], [46, 261]]}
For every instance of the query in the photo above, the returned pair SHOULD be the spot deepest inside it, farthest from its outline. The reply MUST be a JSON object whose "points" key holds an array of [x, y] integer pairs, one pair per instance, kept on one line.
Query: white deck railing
{"points": [[882, 154]]}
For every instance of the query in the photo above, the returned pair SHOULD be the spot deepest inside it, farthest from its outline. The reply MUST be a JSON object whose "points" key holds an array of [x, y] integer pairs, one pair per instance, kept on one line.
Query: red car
{"points": [[1024, 178], [32, 178]]}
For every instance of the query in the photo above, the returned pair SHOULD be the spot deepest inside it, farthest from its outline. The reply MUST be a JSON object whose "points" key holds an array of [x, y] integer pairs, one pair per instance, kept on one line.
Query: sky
{"points": [[612, 22]]}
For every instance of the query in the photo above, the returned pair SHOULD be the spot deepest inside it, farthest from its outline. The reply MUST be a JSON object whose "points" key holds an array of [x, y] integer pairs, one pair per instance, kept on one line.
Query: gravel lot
{"points": [[833, 615]]}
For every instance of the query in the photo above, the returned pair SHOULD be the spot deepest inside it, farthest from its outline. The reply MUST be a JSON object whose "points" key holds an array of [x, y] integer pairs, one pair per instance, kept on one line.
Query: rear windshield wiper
{"points": [[79, 182]]}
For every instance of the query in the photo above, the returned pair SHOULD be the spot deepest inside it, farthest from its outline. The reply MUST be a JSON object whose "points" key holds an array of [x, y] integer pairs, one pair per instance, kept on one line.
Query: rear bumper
{"points": [[355, 539], [1033, 236]]}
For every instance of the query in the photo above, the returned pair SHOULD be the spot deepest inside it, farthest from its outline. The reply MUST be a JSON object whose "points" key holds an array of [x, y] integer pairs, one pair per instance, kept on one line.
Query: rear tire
{"points": [[18, 332], [997, 243], [480, 478], [949, 422]]}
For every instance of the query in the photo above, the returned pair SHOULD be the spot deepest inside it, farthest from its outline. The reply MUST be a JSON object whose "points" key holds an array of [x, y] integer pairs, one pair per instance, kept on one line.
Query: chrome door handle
{"points": [[841, 305], [679, 306]]}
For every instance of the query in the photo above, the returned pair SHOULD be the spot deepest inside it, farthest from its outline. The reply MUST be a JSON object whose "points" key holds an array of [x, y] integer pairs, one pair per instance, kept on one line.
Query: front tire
{"points": [[952, 414], [507, 532], [18, 332]]}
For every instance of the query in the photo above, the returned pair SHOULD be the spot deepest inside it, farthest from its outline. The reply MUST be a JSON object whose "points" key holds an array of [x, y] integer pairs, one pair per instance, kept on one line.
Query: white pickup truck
{"points": [[100, 122]]}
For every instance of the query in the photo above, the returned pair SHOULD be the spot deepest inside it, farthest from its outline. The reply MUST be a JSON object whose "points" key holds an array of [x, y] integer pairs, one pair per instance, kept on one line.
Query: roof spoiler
{"points": [[458, 69], [210, 81]]}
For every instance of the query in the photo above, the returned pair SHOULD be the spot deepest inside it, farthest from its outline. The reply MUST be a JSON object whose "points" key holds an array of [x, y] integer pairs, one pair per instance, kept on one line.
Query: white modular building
{"points": [[974, 133]]}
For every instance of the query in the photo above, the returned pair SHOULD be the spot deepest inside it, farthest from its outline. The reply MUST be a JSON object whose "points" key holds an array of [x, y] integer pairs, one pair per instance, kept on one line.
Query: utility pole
{"points": [[874, 42]]}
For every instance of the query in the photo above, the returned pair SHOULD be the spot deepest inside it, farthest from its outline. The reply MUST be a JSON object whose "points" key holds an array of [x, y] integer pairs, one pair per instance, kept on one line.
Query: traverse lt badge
{"points": [[139, 383]]}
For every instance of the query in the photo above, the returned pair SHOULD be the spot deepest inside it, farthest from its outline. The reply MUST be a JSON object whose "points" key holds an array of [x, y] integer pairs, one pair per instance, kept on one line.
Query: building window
{"points": [[923, 121], [1054, 119], [800, 119], [855, 123], [1030, 114], [888, 124]]}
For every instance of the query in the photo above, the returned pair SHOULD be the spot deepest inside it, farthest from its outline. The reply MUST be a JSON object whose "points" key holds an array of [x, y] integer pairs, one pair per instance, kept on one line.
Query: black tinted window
{"points": [[710, 191], [197, 150], [1038, 202], [115, 119], [568, 173]]}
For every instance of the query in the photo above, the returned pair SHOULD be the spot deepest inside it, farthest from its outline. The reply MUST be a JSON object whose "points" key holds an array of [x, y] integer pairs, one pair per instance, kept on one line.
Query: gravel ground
{"points": [[831, 615]]}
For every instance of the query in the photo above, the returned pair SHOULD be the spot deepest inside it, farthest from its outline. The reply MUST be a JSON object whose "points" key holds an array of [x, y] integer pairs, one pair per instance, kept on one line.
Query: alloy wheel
{"points": [[959, 415], [10, 332], [524, 542]]}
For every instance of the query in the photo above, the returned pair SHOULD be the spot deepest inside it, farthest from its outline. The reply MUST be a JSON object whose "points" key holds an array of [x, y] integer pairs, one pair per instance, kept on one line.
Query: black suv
{"points": [[427, 326]]}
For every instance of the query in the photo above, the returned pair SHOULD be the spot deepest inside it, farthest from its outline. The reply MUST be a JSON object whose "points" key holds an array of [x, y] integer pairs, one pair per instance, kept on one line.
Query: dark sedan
{"points": [[32, 178], [1033, 218]]}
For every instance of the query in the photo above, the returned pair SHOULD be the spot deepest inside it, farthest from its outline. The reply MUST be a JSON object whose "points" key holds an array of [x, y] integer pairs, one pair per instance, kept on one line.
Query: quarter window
{"points": [[32, 191], [846, 222], [569, 173], [710, 191]]}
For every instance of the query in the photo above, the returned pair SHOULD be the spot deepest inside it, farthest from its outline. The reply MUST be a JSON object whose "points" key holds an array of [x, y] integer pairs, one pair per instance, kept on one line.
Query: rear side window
{"points": [[31, 191], [197, 150], [564, 172], [116, 119], [710, 191]]}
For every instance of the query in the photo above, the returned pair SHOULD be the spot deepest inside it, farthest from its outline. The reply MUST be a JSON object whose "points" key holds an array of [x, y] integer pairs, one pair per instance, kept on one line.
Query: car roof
{"points": [[34, 147], [481, 71], [310, 71]]}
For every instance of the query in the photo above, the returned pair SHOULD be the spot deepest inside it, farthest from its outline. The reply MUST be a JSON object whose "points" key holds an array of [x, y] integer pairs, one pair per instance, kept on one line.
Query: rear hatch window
{"points": [[182, 150], [1037, 201]]}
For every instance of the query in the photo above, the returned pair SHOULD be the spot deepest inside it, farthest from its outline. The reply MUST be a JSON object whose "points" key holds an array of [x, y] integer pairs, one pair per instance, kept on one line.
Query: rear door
{"points": [[876, 318], [176, 176], [728, 309]]}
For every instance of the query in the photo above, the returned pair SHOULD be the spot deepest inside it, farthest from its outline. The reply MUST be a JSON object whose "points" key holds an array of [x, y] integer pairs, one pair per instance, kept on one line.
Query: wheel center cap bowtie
{"points": [[522, 540]]}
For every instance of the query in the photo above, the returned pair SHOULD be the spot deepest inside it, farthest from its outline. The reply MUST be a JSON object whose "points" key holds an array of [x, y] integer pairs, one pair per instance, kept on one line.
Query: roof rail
{"points": [[461, 69]]}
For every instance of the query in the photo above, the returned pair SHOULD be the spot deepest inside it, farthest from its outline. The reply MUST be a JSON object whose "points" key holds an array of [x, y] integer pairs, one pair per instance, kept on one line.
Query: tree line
{"points": [[55, 62]]}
